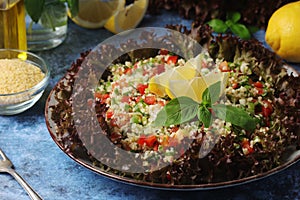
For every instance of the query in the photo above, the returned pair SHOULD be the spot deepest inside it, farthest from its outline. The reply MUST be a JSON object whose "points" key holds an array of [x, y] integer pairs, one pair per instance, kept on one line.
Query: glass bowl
{"points": [[17, 102]]}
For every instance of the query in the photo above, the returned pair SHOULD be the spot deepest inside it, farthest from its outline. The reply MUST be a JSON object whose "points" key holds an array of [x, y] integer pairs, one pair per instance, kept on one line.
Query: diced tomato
{"points": [[138, 99], [128, 71], [235, 85], [258, 84], [174, 129], [150, 100], [172, 59], [155, 148], [98, 95], [109, 114], [141, 140], [163, 52], [247, 149], [224, 66], [141, 88], [162, 103], [150, 141], [259, 87], [101, 97], [105, 96], [267, 108], [259, 91], [125, 99]]}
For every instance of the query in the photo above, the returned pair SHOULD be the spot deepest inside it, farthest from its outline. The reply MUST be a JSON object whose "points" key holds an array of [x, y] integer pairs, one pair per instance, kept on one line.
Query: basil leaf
{"points": [[229, 23], [233, 16], [161, 118], [205, 116], [177, 111], [34, 9], [218, 25], [236, 116], [212, 93], [240, 30], [220, 111], [206, 99]]}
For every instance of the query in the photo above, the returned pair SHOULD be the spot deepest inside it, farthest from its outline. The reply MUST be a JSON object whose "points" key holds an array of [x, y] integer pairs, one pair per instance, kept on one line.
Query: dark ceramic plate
{"points": [[74, 141], [65, 136]]}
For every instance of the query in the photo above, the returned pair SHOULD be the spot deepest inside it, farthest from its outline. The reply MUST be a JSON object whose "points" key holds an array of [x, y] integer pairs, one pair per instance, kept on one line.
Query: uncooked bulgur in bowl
{"points": [[23, 79]]}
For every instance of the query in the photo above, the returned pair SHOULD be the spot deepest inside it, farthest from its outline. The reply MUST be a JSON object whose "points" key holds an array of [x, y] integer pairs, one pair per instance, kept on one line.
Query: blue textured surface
{"points": [[26, 141]]}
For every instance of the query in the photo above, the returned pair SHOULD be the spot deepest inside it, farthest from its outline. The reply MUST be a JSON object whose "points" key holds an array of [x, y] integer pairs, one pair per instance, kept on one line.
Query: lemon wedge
{"points": [[195, 87], [128, 17], [159, 84], [94, 13], [187, 80]]}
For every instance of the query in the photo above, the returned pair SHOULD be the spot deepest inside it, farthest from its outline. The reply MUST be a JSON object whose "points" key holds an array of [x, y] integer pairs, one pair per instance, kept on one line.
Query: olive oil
{"points": [[12, 24]]}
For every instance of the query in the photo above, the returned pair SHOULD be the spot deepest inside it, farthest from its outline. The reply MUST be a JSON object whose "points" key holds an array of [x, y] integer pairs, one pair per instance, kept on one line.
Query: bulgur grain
{"points": [[17, 75]]}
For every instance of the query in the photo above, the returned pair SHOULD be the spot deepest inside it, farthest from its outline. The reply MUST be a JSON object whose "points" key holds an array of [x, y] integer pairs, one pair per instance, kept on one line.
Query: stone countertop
{"points": [[55, 176]]}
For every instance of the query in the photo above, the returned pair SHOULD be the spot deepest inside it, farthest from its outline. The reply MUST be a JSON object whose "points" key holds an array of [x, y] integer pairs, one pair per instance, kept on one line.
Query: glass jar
{"points": [[51, 29]]}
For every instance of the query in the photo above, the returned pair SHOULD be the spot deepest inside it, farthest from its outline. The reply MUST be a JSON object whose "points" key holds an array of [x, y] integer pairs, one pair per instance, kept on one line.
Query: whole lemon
{"points": [[283, 32]]}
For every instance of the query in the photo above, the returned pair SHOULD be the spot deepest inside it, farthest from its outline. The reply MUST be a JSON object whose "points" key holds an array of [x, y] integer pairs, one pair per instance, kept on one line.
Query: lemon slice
{"points": [[128, 17], [195, 87], [94, 13]]}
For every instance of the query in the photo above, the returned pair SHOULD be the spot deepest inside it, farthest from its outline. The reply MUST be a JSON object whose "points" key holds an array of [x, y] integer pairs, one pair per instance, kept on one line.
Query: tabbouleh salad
{"points": [[131, 109], [258, 84]]}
